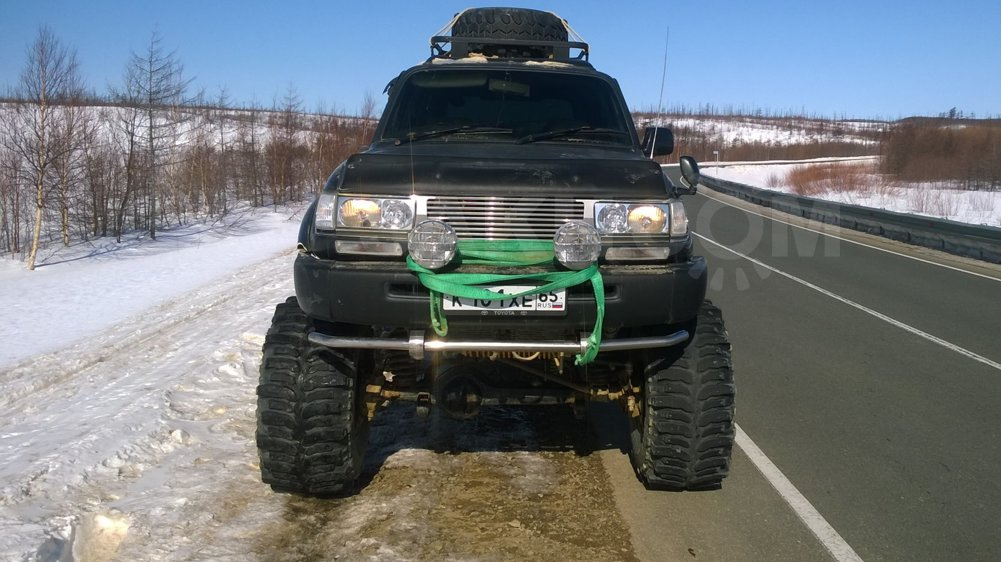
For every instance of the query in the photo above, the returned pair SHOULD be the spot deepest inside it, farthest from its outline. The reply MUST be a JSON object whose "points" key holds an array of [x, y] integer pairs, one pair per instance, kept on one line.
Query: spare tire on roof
{"points": [[509, 23], [505, 24]]}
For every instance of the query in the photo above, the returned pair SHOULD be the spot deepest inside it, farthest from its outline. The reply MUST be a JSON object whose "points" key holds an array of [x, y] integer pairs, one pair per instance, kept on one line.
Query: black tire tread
{"points": [[509, 23], [311, 431], [688, 421]]}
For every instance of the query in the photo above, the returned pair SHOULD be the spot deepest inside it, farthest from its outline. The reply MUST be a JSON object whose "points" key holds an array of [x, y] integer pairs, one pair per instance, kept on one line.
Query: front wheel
{"points": [[683, 428], [312, 425]]}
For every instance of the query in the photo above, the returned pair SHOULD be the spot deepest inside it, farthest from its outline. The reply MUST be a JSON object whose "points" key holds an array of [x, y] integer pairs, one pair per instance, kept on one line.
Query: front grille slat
{"points": [[507, 210], [472, 199], [533, 222], [494, 202], [504, 217]]}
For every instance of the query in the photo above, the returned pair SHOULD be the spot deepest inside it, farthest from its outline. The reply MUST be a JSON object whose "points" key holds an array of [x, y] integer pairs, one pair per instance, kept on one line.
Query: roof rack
{"points": [[462, 47]]}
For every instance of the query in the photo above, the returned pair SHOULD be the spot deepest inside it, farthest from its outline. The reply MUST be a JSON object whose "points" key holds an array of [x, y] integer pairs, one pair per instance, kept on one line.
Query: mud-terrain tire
{"points": [[684, 434], [509, 23], [312, 427]]}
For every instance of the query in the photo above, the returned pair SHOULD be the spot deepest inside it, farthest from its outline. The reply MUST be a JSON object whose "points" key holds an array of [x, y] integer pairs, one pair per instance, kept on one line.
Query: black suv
{"points": [[505, 240]]}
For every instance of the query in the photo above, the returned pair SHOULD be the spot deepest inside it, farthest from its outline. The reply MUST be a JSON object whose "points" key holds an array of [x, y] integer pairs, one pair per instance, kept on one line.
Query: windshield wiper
{"points": [[545, 135], [413, 137]]}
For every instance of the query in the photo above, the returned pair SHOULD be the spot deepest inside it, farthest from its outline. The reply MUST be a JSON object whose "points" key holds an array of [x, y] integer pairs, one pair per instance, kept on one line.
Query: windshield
{"points": [[505, 105]]}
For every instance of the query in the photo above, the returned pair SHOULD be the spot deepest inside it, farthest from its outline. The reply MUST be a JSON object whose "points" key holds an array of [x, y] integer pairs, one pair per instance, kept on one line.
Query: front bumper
{"points": [[387, 294], [417, 345]]}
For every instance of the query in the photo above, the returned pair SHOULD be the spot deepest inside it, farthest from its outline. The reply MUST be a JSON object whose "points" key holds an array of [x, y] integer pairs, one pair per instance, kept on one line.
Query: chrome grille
{"points": [[498, 218]]}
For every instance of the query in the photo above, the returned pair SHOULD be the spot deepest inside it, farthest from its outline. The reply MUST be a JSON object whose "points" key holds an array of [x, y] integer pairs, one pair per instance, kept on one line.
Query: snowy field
{"points": [[103, 376], [869, 189], [728, 130], [80, 290], [127, 424], [734, 129]]}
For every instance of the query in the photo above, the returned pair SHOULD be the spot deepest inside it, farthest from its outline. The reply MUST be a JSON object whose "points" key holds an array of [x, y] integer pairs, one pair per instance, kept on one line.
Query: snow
{"points": [[127, 417], [136, 442], [212, 125], [926, 199], [76, 292], [134, 394], [729, 130]]}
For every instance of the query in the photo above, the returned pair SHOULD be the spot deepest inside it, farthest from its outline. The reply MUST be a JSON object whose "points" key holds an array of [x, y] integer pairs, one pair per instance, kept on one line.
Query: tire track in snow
{"points": [[153, 431], [106, 433], [49, 370]]}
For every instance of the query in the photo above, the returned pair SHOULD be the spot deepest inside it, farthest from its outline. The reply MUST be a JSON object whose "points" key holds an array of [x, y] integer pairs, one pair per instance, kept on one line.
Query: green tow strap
{"points": [[510, 253]]}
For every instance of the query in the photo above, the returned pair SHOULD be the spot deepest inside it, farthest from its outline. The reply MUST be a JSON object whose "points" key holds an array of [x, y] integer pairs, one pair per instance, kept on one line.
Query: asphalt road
{"points": [[869, 378]]}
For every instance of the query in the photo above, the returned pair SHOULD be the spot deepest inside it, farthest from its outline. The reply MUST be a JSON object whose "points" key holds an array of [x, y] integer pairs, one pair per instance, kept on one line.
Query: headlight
{"points": [[432, 244], [577, 245], [611, 217], [368, 212], [359, 213], [635, 218], [647, 219]]}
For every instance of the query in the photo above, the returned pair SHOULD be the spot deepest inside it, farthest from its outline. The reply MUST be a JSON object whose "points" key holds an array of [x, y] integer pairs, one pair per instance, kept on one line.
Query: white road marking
{"points": [[825, 533], [907, 327], [856, 242]]}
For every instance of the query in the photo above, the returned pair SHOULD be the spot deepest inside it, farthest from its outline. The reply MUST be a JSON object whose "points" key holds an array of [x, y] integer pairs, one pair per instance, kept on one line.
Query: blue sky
{"points": [[846, 58]]}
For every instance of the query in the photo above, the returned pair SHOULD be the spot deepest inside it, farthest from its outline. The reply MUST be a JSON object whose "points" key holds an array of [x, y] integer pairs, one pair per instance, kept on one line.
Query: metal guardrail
{"points": [[980, 242]]}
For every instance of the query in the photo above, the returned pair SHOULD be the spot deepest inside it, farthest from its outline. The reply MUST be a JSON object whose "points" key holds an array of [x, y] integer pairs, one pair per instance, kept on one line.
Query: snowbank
{"points": [[927, 199], [80, 290]]}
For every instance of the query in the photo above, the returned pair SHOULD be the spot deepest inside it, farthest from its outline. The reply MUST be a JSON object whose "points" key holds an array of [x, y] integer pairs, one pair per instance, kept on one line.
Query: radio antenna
{"points": [[660, 100]]}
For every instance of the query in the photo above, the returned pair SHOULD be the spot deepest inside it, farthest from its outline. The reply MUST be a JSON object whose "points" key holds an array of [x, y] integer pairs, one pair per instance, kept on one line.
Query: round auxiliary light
{"points": [[432, 244], [577, 244]]}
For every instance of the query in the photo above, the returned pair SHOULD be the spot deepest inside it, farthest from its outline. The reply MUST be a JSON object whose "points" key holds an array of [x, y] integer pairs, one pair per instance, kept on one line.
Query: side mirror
{"points": [[657, 141], [689, 173]]}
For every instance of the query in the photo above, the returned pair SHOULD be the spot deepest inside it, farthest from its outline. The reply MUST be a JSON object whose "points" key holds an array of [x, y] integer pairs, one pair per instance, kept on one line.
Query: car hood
{"points": [[493, 169]]}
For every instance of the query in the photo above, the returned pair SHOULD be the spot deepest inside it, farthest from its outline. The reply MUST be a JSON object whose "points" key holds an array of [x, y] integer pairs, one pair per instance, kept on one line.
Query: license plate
{"points": [[553, 302]]}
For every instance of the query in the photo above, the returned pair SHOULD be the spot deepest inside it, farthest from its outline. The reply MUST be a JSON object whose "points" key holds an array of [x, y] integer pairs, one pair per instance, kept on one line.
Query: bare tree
{"points": [[222, 166], [70, 134], [127, 136], [102, 174], [10, 201], [322, 145], [157, 79], [48, 76], [83, 169], [368, 106], [284, 151], [252, 160]]}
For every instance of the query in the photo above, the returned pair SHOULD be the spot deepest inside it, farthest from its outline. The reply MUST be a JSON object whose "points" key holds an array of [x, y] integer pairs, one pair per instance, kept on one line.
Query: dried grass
{"points": [[945, 204], [949, 150], [836, 177], [981, 203], [919, 200], [933, 202]]}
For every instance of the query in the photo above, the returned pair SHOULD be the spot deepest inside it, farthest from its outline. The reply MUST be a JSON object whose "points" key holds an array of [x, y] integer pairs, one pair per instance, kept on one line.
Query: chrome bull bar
{"points": [[417, 345]]}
